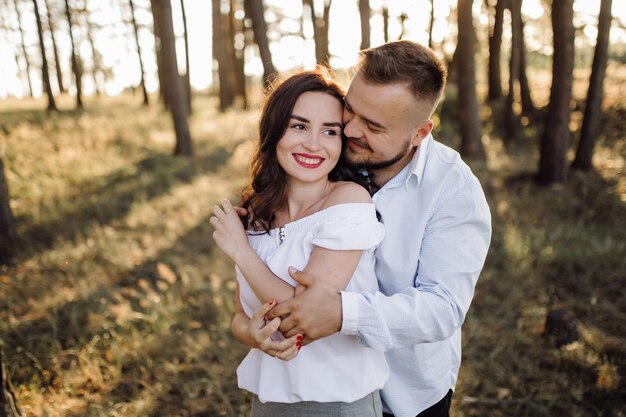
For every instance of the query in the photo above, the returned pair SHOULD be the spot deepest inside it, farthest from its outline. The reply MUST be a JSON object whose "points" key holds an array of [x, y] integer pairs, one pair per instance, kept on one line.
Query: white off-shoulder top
{"points": [[334, 368]]}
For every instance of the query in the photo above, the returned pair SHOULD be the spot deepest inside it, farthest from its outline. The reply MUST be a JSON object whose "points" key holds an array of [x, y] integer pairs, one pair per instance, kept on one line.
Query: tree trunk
{"points": [[7, 226], [235, 28], [320, 30], [386, 23], [225, 69], [364, 12], [19, 25], [593, 109], [431, 24], [175, 92], [55, 49], [45, 75], [255, 10], [470, 126], [8, 401], [156, 27], [75, 67], [555, 138], [146, 101], [96, 58], [528, 107], [495, 44], [187, 77], [512, 124]]}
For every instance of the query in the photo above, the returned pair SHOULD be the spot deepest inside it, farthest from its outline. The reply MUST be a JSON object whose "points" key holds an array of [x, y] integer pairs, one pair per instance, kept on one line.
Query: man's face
{"points": [[384, 124]]}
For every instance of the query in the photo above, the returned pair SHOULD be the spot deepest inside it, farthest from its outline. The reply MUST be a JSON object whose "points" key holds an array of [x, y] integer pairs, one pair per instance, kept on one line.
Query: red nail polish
{"points": [[298, 337], [299, 347]]}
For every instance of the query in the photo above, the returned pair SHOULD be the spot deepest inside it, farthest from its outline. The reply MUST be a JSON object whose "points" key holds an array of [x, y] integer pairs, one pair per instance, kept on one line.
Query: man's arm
{"points": [[452, 254]]}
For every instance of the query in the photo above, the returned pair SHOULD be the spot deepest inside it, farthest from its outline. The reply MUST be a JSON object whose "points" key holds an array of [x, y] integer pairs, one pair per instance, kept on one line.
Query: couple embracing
{"points": [[357, 244]]}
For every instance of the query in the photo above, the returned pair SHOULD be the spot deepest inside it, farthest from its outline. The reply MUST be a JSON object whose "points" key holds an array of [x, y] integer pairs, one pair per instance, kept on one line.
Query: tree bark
{"points": [[528, 107], [7, 226], [431, 24], [187, 77], [320, 30], [512, 124], [364, 12], [156, 28], [55, 49], [495, 44], [386, 23], [26, 60], [555, 138], [175, 92], [146, 101], [469, 120], [96, 57], [225, 70], [255, 10], [592, 119], [45, 74], [8, 402], [75, 67], [235, 27]]}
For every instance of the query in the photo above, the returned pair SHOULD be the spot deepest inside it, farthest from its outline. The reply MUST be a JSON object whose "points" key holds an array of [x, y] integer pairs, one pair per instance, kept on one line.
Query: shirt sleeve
{"points": [[453, 251], [348, 227]]}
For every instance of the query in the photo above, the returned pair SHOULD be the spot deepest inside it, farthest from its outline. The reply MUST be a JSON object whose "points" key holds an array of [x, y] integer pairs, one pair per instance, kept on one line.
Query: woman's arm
{"points": [[333, 266], [255, 332]]}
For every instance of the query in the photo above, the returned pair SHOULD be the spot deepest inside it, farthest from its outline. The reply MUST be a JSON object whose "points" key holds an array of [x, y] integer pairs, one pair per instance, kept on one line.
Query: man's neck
{"points": [[384, 175]]}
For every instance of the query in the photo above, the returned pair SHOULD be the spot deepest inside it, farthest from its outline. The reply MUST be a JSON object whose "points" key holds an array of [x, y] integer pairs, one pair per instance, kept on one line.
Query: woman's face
{"points": [[311, 145]]}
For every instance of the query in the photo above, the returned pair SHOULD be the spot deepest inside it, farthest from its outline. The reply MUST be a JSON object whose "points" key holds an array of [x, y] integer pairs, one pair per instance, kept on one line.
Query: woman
{"points": [[302, 212]]}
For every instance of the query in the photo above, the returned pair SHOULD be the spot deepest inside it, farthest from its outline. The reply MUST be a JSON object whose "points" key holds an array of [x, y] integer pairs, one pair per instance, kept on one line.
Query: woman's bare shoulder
{"points": [[345, 192]]}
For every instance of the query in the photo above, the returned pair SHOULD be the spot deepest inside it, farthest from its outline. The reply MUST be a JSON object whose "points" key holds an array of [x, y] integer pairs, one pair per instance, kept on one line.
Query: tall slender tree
{"points": [[156, 29], [175, 92], [255, 10], [385, 13], [528, 106], [431, 24], [555, 137], [7, 226], [495, 45], [320, 29], [469, 120], [592, 119], [512, 122], [55, 49], [187, 76], [23, 44], [96, 57], [364, 13], [225, 70], [76, 67], [235, 49], [45, 74], [142, 82]]}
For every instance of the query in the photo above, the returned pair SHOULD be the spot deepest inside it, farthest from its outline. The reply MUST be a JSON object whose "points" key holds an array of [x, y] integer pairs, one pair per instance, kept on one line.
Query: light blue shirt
{"points": [[437, 233]]}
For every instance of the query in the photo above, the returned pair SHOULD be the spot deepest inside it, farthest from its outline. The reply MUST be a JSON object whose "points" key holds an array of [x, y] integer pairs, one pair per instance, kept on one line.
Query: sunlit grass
{"points": [[119, 304]]}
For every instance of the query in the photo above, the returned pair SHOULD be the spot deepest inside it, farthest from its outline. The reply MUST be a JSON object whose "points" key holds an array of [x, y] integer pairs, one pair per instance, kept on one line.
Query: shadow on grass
{"points": [[166, 315], [106, 199]]}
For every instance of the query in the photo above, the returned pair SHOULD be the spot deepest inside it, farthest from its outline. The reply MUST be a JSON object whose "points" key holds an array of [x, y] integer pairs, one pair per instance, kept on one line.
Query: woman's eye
{"points": [[331, 132], [297, 126]]}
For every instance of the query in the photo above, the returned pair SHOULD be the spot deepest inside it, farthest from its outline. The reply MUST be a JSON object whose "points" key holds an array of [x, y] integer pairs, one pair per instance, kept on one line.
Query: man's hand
{"points": [[314, 312]]}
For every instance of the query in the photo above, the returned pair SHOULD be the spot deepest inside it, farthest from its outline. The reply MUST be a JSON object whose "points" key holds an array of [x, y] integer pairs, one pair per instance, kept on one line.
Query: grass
{"points": [[118, 303]]}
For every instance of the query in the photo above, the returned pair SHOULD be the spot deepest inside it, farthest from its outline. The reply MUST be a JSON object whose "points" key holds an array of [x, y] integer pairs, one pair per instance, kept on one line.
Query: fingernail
{"points": [[299, 347], [299, 337], [292, 269], [272, 302]]}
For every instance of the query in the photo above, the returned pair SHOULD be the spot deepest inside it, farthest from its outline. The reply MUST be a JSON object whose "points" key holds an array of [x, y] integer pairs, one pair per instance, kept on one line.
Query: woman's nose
{"points": [[312, 142]]}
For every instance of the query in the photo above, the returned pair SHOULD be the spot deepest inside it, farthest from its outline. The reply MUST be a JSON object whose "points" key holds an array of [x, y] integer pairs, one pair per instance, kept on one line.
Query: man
{"points": [[438, 229]]}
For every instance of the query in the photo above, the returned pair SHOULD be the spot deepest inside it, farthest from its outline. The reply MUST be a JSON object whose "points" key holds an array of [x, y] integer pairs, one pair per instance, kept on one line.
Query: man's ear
{"points": [[422, 131]]}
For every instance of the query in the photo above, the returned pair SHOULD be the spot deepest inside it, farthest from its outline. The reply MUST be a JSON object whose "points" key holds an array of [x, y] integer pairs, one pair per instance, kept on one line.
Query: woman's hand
{"points": [[229, 234], [261, 332]]}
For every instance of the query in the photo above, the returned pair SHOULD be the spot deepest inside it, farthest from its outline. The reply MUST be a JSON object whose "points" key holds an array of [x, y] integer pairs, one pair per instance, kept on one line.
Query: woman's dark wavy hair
{"points": [[267, 192]]}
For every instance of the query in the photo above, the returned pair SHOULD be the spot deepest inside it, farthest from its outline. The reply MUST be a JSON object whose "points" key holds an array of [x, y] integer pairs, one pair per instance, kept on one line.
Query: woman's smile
{"points": [[308, 161]]}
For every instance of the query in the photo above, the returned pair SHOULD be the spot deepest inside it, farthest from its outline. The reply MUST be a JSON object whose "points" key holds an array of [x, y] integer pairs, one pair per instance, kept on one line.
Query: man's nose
{"points": [[352, 129]]}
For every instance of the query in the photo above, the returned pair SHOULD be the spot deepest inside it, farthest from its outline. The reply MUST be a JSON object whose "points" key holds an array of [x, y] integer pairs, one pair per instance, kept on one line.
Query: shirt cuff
{"points": [[350, 312]]}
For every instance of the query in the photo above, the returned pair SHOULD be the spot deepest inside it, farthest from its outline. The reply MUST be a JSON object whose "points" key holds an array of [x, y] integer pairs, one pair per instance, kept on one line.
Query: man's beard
{"points": [[368, 164]]}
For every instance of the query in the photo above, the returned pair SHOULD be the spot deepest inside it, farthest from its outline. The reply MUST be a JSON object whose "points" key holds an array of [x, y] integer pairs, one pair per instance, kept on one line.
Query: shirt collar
{"points": [[415, 167]]}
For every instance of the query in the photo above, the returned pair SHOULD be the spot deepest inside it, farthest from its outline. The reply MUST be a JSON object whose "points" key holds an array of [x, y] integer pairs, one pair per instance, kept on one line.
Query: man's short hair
{"points": [[408, 63]]}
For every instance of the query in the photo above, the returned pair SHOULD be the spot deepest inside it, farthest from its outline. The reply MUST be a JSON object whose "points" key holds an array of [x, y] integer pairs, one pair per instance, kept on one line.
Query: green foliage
{"points": [[119, 304]]}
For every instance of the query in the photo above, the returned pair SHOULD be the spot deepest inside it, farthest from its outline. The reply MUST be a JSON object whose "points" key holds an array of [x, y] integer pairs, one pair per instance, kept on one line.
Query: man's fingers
{"points": [[301, 277], [282, 309]]}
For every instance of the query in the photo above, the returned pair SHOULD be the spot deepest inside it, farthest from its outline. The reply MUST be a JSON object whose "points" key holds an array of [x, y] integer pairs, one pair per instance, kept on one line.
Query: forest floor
{"points": [[118, 303]]}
